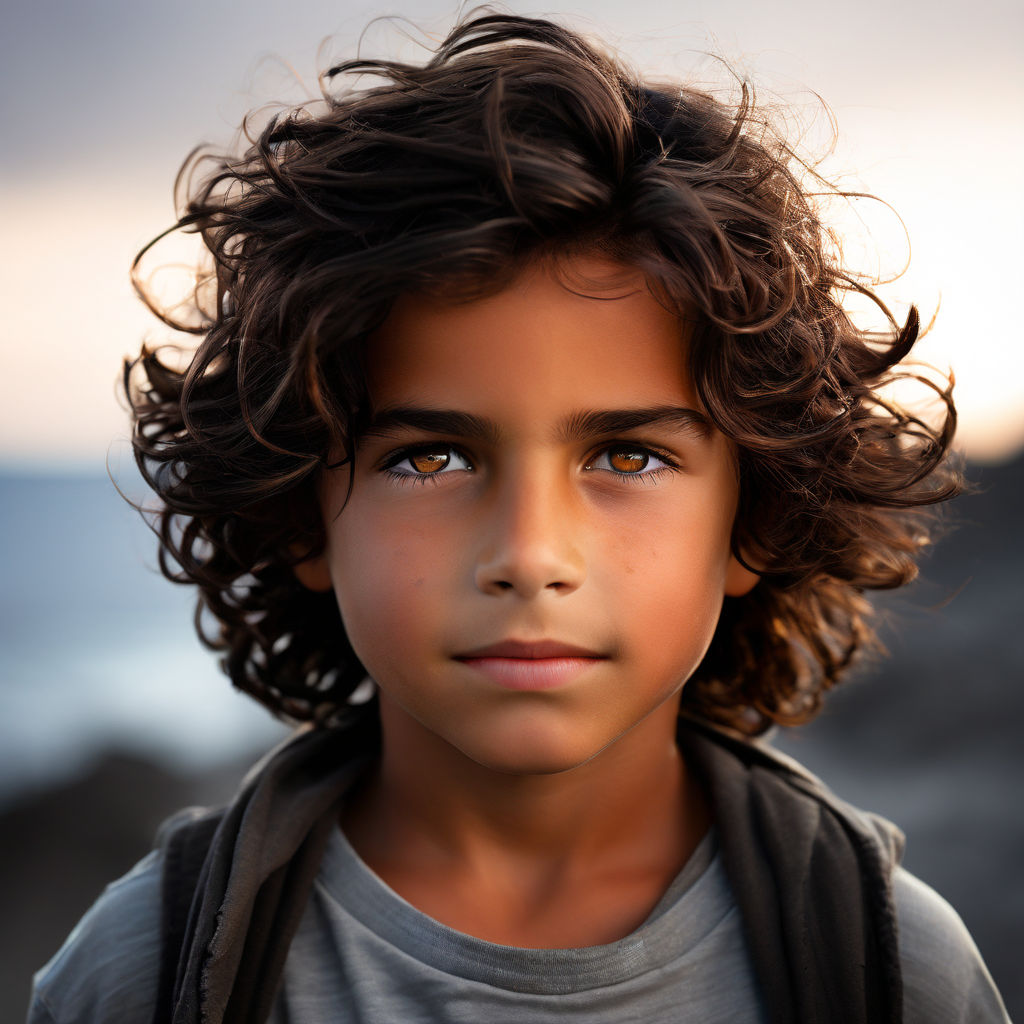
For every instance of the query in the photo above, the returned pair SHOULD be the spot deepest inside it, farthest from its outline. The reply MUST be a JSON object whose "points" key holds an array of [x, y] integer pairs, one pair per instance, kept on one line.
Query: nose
{"points": [[531, 537]]}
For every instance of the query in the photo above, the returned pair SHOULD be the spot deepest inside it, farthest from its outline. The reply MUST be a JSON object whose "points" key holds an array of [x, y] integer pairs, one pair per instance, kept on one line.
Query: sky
{"points": [[101, 101]]}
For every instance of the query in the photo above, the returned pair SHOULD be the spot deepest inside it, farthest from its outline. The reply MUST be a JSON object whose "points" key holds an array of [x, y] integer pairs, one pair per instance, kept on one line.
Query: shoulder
{"points": [[945, 980], [108, 969]]}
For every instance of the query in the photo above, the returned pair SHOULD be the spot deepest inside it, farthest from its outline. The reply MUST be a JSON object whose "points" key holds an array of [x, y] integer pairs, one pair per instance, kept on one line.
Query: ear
{"points": [[739, 580], [313, 573]]}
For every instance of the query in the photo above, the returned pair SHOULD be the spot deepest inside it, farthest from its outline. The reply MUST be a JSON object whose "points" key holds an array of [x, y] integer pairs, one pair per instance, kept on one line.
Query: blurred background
{"points": [[111, 715]]}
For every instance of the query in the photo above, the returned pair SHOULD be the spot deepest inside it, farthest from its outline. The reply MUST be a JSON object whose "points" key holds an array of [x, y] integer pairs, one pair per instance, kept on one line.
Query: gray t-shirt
{"points": [[363, 954]]}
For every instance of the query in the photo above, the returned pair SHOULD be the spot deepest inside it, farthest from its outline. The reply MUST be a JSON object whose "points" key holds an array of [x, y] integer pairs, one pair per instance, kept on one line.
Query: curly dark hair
{"points": [[518, 138]]}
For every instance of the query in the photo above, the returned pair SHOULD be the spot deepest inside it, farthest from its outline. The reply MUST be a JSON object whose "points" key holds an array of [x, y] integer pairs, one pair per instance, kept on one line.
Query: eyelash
{"points": [[670, 465]]}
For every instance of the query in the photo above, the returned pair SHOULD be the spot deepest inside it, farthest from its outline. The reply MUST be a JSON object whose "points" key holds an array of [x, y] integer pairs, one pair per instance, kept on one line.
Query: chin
{"points": [[530, 755], [531, 765]]}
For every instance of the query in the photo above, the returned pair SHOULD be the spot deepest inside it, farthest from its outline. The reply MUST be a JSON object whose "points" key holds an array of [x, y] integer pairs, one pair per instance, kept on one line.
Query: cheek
{"points": [[670, 545], [672, 584], [384, 585], [667, 578]]}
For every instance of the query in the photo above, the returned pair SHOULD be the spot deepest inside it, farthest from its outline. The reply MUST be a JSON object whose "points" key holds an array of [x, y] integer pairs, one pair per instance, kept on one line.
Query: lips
{"points": [[529, 649], [530, 665]]}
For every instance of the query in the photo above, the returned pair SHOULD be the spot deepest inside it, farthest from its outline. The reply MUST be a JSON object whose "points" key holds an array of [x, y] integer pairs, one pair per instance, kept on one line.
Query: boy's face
{"points": [[511, 493]]}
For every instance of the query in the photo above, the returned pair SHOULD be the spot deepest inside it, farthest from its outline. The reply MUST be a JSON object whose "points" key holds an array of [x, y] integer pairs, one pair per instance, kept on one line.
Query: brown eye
{"points": [[429, 462], [622, 460], [426, 464], [636, 465]]}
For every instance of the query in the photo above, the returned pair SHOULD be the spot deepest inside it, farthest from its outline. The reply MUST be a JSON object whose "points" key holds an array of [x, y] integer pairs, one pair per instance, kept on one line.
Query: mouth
{"points": [[531, 665]]}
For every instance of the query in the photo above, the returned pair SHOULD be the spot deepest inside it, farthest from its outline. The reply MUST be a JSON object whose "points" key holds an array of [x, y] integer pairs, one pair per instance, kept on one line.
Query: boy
{"points": [[525, 392]]}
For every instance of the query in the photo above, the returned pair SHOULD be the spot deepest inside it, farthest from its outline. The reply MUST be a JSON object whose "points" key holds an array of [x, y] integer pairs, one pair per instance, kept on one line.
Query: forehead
{"points": [[585, 332]]}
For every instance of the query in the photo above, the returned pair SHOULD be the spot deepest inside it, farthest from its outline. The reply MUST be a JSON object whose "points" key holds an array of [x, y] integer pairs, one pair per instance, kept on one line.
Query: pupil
{"points": [[429, 462], [628, 462]]}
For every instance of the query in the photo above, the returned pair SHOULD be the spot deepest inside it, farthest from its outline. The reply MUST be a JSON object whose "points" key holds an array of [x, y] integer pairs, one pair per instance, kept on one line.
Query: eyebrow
{"points": [[578, 426], [596, 423]]}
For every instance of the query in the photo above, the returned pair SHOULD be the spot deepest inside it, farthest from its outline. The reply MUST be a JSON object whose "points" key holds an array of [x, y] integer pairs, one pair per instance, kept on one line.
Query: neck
{"points": [[430, 809]]}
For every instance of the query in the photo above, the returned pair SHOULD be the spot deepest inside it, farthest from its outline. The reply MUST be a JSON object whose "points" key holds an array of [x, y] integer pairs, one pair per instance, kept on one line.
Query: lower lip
{"points": [[531, 673]]}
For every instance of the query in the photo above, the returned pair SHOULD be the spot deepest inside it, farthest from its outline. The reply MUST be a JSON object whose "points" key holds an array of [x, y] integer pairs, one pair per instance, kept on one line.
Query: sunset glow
{"points": [[933, 144]]}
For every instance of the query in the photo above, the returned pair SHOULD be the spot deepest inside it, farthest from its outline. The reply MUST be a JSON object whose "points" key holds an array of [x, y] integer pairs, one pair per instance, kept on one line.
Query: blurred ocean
{"points": [[96, 648]]}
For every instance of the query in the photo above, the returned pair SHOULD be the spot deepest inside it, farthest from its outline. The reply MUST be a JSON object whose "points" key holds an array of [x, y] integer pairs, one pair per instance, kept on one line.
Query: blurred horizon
{"points": [[98, 649]]}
